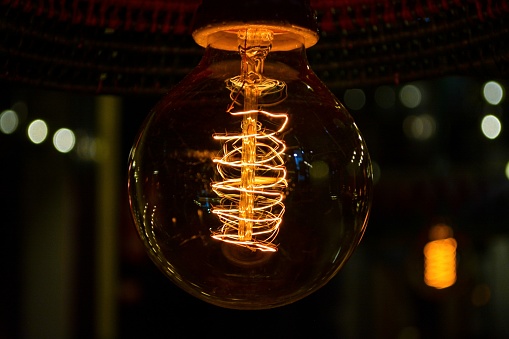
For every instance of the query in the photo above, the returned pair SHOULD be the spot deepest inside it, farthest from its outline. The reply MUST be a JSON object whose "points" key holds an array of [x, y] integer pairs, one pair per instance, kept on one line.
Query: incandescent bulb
{"points": [[249, 183]]}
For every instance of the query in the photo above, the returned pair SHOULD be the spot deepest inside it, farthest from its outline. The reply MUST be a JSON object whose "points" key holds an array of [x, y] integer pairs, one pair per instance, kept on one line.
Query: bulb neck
{"points": [[228, 39], [283, 65], [224, 18], [254, 45]]}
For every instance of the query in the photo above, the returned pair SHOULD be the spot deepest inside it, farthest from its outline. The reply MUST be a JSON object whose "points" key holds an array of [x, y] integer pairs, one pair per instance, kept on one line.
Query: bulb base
{"points": [[230, 16]]}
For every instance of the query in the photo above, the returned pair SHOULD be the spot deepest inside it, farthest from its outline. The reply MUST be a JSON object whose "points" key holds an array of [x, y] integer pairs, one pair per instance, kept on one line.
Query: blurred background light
{"points": [[385, 97], [440, 231], [21, 109], [493, 92], [64, 140], [319, 170], [491, 126], [440, 257], [355, 98], [377, 172], [37, 131], [410, 96], [86, 147], [9, 121], [481, 295], [409, 332], [419, 127]]}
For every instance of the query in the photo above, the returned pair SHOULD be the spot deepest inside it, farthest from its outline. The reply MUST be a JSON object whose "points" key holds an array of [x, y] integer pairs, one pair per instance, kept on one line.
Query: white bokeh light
{"points": [[64, 140], [491, 126], [493, 92], [37, 131], [410, 96], [8, 121], [421, 127]]}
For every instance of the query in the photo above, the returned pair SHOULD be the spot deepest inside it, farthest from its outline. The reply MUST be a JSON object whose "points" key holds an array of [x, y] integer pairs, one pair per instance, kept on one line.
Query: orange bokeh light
{"points": [[440, 258]]}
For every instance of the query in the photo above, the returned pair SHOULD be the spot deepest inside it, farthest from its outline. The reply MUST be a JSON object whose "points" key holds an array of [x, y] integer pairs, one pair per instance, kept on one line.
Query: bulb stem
{"points": [[254, 45], [251, 163], [248, 175]]}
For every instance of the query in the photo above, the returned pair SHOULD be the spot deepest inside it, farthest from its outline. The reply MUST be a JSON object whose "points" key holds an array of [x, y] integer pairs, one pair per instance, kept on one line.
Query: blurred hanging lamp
{"points": [[249, 183]]}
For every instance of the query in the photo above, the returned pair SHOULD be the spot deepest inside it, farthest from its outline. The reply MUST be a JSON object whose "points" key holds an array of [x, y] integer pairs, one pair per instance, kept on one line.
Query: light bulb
{"points": [[440, 257], [249, 183]]}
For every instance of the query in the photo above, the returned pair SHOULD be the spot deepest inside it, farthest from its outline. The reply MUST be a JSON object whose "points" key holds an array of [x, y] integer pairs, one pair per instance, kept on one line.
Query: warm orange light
{"points": [[251, 162], [440, 263]]}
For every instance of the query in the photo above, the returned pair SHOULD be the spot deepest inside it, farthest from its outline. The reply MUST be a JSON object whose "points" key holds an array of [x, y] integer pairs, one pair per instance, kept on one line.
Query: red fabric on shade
{"points": [[165, 16], [145, 46]]}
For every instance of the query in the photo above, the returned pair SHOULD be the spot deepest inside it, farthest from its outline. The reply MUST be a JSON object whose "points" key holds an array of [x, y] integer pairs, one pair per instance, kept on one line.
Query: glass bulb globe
{"points": [[249, 183]]}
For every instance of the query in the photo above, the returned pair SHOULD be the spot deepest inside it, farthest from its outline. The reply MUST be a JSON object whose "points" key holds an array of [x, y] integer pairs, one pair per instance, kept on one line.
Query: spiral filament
{"points": [[251, 161]]}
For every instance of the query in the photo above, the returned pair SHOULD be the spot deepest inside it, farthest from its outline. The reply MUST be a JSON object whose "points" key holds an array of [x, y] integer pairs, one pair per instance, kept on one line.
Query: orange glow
{"points": [[440, 231], [440, 263], [251, 207], [251, 162]]}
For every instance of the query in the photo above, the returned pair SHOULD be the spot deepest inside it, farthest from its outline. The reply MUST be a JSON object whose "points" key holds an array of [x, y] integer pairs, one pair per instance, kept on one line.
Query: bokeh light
{"points": [[385, 97], [440, 231], [493, 92], [355, 98], [21, 109], [64, 140], [9, 121], [507, 170], [419, 127], [491, 126], [377, 172], [37, 131], [410, 96], [481, 295], [440, 257], [319, 170], [86, 147], [409, 332]]}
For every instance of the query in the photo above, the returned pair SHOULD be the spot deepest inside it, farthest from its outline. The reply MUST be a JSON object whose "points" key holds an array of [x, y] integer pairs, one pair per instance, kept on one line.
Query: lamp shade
{"points": [[145, 47]]}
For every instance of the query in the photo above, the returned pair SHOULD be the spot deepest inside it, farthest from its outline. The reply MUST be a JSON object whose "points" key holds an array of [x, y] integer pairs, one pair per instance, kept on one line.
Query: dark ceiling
{"points": [[144, 47]]}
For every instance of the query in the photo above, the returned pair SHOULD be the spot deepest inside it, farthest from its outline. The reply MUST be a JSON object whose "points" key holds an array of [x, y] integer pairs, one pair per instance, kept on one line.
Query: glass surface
{"points": [[318, 158]]}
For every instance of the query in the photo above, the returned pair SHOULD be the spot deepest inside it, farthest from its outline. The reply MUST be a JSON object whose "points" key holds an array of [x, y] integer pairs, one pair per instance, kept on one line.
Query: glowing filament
{"points": [[251, 164], [440, 263], [252, 189]]}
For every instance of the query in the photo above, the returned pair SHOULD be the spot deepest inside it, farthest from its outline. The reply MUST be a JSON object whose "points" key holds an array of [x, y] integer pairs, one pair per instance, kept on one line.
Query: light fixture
{"points": [[440, 257], [249, 183]]}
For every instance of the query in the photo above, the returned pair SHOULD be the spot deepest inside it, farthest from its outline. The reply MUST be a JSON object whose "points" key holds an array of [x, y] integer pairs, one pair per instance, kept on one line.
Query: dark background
{"points": [[72, 265], [51, 230]]}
